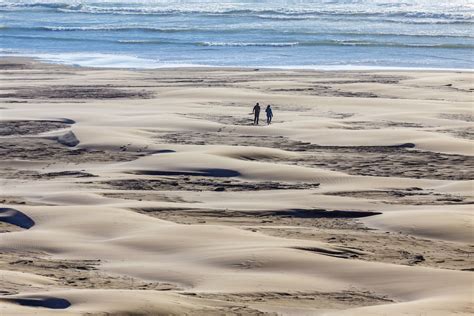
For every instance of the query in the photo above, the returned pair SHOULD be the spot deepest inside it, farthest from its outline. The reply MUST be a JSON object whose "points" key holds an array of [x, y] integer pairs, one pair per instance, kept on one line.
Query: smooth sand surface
{"points": [[151, 192]]}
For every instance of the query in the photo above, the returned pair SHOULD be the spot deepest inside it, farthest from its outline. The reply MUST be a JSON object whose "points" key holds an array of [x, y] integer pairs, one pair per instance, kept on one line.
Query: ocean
{"points": [[321, 34]]}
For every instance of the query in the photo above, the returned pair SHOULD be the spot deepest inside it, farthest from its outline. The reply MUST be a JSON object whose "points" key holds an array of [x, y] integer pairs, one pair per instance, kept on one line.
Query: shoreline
{"points": [[316, 68]]}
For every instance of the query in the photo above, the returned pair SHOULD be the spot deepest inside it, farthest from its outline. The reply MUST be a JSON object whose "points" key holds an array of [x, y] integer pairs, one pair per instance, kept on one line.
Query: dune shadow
{"points": [[162, 151], [212, 172], [321, 213], [40, 301], [15, 217], [69, 139], [66, 121], [338, 253]]}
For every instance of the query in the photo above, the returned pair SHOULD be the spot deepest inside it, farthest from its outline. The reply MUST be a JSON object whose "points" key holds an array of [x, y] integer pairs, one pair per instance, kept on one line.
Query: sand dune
{"points": [[153, 195]]}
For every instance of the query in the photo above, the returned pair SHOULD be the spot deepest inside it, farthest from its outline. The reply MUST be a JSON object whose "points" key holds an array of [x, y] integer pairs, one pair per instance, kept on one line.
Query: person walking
{"points": [[269, 112], [256, 113]]}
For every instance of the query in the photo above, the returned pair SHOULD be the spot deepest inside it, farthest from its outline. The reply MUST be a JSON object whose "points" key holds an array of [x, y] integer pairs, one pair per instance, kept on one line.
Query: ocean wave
{"points": [[222, 29], [245, 44], [387, 44], [336, 43], [125, 28], [376, 33], [34, 4], [265, 10], [377, 19], [54, 38], [152, 42], [117, 28], [329, 42], [274, 14], [243, 32], [99, 60], [427, 21]]}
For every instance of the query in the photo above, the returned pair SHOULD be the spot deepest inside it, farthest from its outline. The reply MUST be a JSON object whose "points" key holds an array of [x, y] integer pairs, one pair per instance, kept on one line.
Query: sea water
{"points": [[329, 34]]}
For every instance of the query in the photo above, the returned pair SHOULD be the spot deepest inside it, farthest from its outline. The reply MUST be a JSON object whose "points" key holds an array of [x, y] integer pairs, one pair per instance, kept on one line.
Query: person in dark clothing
{"points": [[256, 113], [269, 114]]}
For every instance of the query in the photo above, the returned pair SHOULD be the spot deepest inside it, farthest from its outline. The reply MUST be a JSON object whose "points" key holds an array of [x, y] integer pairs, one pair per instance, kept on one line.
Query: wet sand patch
{"points": [[83, 274], [42, 149], [320, 218], [76, 92], [199, 183], [409, 196], [375, 245], [463, 132], [457, 117], [326, 91], [367, 125], [30, 127], [7, 227], [322, 300], [147, 196]]}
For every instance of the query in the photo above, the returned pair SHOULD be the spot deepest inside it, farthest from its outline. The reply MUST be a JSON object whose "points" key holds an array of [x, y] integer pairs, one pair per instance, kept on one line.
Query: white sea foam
{"points": [[244, 44], [95, 60], [133, 62]]}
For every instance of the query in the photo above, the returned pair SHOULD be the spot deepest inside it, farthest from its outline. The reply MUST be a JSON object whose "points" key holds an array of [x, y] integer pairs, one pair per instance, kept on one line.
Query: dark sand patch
{"points": [[76, 92], [83, 274], [66, 174], [326, 91], [42, 149], [245, 116], [337, 253], [35, 175], [366, 125], [322, 300], [7, 228], [148, 196], [200, 183], [409, 196], [391, 162], [462, 132], [335, 115], [223, 119], [295, 213], [458, 117], [30, 127], [264, 218], [5, 65], [378, 246], [18, 200], [332, 85], [399, 160]]}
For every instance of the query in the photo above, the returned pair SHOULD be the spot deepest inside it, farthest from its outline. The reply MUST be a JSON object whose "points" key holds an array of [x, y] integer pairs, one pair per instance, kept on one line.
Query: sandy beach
{"points": [[150, 192]]}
